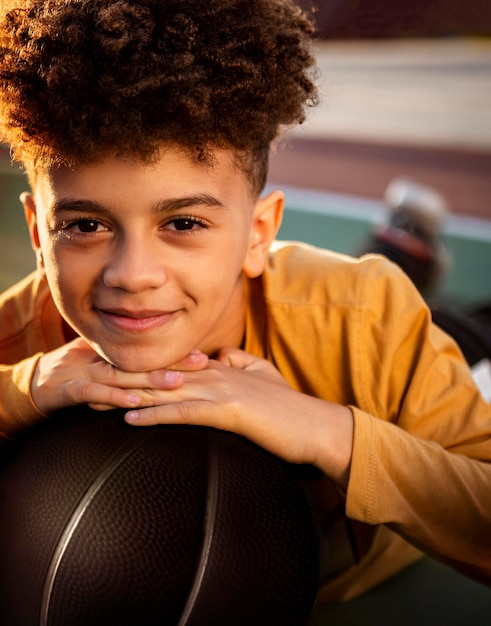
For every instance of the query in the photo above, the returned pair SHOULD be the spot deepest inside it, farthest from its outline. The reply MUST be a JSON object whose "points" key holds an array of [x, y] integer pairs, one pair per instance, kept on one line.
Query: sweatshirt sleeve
{"points": [[30, 325], [421, 459], [17, 408]]}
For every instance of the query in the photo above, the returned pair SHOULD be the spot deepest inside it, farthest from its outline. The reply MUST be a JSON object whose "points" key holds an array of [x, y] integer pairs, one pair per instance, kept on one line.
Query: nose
{"points": [[135, 265]]}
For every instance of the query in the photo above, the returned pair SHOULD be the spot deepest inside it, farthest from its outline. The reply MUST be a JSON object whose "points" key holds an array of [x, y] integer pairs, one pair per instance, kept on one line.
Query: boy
{"points": [[144, 127]]}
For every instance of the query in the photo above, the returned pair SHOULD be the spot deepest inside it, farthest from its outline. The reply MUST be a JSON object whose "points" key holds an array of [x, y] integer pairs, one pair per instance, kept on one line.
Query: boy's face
{"points": [[146, 262]]}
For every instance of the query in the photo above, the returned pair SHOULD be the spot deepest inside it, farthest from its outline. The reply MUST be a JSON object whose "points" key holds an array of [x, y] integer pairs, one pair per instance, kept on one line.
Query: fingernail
{"points": [[133, 399], [196, 355], [172, 376], [132, 416]]}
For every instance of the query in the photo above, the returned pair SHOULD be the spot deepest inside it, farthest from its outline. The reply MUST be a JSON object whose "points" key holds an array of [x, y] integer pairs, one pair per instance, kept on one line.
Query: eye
{"points": [[84, 226], [185, 224]]}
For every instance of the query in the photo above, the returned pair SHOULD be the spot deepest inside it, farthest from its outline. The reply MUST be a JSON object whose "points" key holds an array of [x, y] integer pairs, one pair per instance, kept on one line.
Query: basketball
{"points": [[105, 524]]}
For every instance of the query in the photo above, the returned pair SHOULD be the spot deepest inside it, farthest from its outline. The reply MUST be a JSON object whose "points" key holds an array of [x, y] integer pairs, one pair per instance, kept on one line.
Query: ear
{"points": [[32, 224], [266, 221]]}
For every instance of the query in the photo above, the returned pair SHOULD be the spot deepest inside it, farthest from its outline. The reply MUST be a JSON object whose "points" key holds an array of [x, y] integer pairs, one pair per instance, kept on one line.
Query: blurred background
{"points": [[405, 93]]}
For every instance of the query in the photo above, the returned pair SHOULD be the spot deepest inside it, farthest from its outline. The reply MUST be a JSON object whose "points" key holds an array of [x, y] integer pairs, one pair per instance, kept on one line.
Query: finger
{"points": [[103, 407], [233, 357], [169, 378], [96, 395], [239, 359], [193, 413], [194, 361], [106, 374]]}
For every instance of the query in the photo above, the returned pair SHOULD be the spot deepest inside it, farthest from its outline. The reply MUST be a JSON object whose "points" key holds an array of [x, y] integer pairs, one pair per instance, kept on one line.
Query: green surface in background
{"points": [[16, 256], [426, 594]]}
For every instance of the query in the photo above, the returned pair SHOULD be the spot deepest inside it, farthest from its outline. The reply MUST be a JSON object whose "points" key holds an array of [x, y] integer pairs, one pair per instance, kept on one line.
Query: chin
{"points": [[139, 365], [134, 361]]}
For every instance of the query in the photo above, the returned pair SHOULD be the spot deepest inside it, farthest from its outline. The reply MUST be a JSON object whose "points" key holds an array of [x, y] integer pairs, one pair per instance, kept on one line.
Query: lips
{"points": [[135, 321]]}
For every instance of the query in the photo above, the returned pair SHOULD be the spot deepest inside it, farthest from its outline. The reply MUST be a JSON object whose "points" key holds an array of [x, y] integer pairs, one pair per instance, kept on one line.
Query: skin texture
{"points": [[146, 263]]}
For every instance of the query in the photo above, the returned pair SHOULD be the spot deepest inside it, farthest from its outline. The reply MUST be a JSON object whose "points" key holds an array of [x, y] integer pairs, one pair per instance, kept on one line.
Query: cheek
{"points": [[68, 280], [216, 278], [217, 265]]}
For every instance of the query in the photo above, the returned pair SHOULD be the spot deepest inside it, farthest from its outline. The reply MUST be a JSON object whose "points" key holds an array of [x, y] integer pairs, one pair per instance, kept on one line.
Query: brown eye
{"points": [[183, 224], [87, 226], [84, 226]]}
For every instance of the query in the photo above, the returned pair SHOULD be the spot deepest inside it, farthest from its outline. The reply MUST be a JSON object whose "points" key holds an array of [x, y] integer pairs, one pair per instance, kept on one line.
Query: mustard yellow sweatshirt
{"points": [[356, 332]]}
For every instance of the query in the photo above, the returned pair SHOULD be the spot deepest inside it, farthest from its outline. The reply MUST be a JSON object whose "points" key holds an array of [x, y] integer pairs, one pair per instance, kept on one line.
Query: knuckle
{"points": [[81, 391], [187, 413]]}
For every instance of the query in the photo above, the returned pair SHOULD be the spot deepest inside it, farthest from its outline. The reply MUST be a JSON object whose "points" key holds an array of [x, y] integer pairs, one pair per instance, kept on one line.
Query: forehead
{"points": [[174, 173]]}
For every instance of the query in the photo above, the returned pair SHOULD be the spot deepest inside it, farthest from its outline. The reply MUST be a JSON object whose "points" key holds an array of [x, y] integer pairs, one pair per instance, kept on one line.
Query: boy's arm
{"points": [[438, 499], [17, 409], [74, 374], [421, 459]]}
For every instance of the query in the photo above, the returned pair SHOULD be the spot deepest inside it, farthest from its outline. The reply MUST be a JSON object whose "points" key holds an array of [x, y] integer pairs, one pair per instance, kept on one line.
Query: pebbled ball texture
{"points": [[105, 524]]}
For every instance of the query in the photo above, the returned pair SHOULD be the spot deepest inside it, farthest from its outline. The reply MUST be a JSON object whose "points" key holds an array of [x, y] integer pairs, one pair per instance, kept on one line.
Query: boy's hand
{"points": [[247, 395], [236, 392], [75, 374]]}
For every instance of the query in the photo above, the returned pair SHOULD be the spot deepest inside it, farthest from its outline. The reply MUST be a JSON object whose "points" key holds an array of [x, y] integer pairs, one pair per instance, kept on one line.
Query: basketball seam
{"points": [[212, 501], [115, 461]]}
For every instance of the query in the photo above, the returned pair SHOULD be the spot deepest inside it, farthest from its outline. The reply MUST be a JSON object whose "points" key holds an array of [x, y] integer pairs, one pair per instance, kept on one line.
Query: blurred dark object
{"points": [[412, 235], [471, 329], [353, 19]]}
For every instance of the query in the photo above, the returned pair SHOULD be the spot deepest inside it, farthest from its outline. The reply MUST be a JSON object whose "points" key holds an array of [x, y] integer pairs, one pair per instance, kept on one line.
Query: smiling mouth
{"points": [[135, 321]]}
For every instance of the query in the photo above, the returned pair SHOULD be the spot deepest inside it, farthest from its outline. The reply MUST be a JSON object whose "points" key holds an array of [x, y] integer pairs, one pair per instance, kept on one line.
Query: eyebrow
{"points": [[175, 204], [163, 206]]}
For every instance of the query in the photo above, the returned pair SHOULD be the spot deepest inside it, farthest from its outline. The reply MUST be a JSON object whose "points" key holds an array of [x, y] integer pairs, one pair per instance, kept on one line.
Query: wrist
{"points": [[334, 443]]}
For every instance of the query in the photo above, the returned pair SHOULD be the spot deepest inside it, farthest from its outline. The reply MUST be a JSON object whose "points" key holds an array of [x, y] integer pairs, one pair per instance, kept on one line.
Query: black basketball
{"points": [[105, 524]]}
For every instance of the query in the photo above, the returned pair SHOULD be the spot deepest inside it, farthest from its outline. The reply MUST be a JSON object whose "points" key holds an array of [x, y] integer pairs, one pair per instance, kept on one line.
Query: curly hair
{"points": [[82, 79]]}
